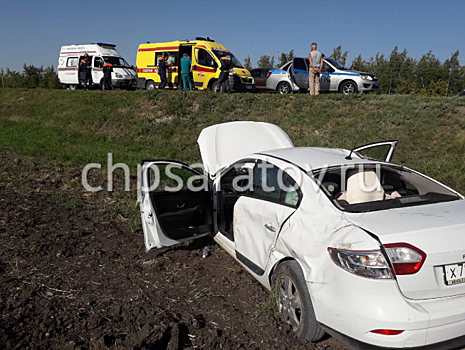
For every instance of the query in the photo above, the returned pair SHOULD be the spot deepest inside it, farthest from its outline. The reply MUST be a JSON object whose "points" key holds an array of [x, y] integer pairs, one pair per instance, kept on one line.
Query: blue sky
{"points": [[32, 31]]}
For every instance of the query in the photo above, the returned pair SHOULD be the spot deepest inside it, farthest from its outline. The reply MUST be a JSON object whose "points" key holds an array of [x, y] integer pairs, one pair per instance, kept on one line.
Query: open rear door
{"points": [[175, 203], [300, 73], [379, 150]]}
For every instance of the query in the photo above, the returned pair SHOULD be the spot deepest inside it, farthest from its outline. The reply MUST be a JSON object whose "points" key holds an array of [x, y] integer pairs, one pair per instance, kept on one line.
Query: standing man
{"points": [[316, 64], [162, 66], [226, 66], [186, 64], [107, 70], [86, 68]]}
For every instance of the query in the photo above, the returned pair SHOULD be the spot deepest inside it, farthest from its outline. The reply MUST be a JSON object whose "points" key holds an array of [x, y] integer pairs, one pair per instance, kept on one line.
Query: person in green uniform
{"points": [[186, 64]]}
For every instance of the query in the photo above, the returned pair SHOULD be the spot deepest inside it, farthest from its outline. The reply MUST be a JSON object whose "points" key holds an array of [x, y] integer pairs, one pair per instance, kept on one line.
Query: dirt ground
{"points": [[70, 280]]}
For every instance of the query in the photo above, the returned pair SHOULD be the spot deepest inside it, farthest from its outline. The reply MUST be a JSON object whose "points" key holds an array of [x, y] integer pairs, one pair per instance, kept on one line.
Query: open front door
{"points": [[175, 203], [379, 150]]}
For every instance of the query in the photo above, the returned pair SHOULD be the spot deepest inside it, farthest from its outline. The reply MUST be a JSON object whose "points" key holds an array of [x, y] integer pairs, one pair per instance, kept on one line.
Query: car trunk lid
{"points": [[223, 144], [436, 229]]}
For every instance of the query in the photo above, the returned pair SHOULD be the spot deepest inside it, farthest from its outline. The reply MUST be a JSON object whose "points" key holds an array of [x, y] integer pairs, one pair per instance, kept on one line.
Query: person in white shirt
{"points": [[316, 64]]}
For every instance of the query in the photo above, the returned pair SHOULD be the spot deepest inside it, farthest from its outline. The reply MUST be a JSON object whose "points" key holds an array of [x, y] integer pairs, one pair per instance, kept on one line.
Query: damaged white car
{"points": [[366, 250]]}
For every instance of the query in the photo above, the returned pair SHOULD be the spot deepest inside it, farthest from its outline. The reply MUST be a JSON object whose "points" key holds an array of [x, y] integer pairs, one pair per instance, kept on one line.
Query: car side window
{"points": [[327, 68], [172, 58], [299, 63], [72, 62], [273, 184], [98, 62], [205, 59]]}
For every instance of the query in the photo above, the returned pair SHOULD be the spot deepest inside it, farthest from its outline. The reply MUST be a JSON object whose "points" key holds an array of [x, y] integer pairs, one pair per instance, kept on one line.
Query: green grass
{"points": [[73, 128]]}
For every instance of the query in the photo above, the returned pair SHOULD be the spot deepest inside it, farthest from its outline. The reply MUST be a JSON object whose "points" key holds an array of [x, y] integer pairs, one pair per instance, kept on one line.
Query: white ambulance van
{"points": [[123, 75]]}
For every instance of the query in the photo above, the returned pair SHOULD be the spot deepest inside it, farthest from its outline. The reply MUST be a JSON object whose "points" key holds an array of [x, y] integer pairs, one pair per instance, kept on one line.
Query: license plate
{"points": [[248, 87], [454, 274]]}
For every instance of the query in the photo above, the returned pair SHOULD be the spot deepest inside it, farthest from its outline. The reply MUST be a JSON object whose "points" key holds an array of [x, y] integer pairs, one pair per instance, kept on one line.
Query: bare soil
{"points": [[72, 280]]}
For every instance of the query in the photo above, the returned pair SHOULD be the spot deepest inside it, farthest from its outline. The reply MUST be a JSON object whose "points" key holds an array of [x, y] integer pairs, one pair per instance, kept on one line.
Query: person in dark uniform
{"points": [[162, 66], [107, 70], [226, 66], [86, 68]]}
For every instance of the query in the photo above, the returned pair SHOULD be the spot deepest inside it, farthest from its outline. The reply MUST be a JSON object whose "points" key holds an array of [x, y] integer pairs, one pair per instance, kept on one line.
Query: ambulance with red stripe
{"points": [[205, 54], [123, 75]]}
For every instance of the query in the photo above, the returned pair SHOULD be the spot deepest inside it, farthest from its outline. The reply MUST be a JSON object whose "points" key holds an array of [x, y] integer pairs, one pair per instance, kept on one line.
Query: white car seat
{"points": [[363, 186]]}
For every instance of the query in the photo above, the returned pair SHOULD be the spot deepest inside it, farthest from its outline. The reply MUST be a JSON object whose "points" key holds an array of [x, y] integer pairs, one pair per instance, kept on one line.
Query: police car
{"points": [[293, 77]]}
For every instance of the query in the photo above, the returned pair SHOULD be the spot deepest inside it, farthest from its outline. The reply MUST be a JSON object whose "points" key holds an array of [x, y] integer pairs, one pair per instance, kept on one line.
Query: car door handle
{"points": [[270, 227]]}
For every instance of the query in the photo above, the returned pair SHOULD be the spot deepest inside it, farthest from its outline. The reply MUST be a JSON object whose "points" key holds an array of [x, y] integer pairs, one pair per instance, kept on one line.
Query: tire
{"points": [[150, 85], [215, 87], [295, 304], [284, 88], [349, 88], [72, 87]]}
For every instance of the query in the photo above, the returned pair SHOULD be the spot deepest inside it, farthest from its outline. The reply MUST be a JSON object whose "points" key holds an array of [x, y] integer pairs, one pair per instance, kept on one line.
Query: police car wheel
{"points": [[349, 88], [284, 88], [150, 86]]}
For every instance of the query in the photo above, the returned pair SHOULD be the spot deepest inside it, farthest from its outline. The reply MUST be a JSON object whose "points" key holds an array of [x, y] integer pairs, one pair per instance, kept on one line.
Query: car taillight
{"points": [[387, 331], [405, 258], [268, 74], [369, 264]]}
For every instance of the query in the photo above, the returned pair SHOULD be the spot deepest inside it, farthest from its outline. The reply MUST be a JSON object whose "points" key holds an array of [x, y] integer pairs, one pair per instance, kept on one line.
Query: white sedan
{"points": [[366, 250]]}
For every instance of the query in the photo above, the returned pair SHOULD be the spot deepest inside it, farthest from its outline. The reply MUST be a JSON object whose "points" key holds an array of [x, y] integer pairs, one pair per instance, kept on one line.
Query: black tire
{"points": [[150, 85], [349, 88], [284, 88], [215, 87], [295, 303], [72, 87]]}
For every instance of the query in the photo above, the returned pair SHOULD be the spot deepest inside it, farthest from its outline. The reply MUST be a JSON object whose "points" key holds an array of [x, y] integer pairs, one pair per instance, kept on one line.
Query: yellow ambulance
{"points": [[205, 54]]}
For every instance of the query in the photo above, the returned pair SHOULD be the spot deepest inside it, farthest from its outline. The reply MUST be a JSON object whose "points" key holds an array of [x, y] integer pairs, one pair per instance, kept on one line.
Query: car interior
{"points": [[367, 188], [230, 193], [182, 213]]}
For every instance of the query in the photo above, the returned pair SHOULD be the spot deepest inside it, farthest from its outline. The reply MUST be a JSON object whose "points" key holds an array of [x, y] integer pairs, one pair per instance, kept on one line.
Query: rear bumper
{"points": [[355, 306], [455, 343]]}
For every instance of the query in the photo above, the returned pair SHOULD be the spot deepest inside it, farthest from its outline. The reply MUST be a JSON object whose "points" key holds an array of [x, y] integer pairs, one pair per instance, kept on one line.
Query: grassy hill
{"points": [[52, 129]]}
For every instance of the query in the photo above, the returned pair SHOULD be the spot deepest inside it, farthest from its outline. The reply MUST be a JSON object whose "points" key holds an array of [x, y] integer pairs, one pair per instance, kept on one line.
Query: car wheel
{"points": [[295, 304], [150, 85], [72, 87], [216, 88], [349, 88], [284, 88]]}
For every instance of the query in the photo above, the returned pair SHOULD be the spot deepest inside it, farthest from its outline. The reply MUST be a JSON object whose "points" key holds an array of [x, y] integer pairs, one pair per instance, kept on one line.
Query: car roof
{"points": [[313, 158]]}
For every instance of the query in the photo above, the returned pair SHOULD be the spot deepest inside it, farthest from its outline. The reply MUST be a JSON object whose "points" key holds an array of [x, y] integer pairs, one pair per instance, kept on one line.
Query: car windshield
{"points": [[117, 62], [336, 64], [372, 187], [235, 61]]}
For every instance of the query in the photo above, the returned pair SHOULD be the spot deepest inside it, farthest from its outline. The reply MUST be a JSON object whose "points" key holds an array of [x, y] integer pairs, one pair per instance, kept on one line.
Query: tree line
{"points": [[397, 72], [31, 77]]}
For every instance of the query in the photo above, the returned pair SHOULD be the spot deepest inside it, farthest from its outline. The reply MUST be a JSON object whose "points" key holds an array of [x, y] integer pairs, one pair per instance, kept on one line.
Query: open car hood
{"points": [[223, 144]]}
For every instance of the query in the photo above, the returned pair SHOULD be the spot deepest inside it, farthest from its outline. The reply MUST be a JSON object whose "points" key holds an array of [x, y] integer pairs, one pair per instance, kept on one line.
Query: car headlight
{"points": [[118, 75], [366, 77]]}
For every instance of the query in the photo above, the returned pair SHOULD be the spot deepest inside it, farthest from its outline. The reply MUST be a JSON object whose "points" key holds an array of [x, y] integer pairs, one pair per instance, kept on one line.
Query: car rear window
{"points": [[364, 188]]}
